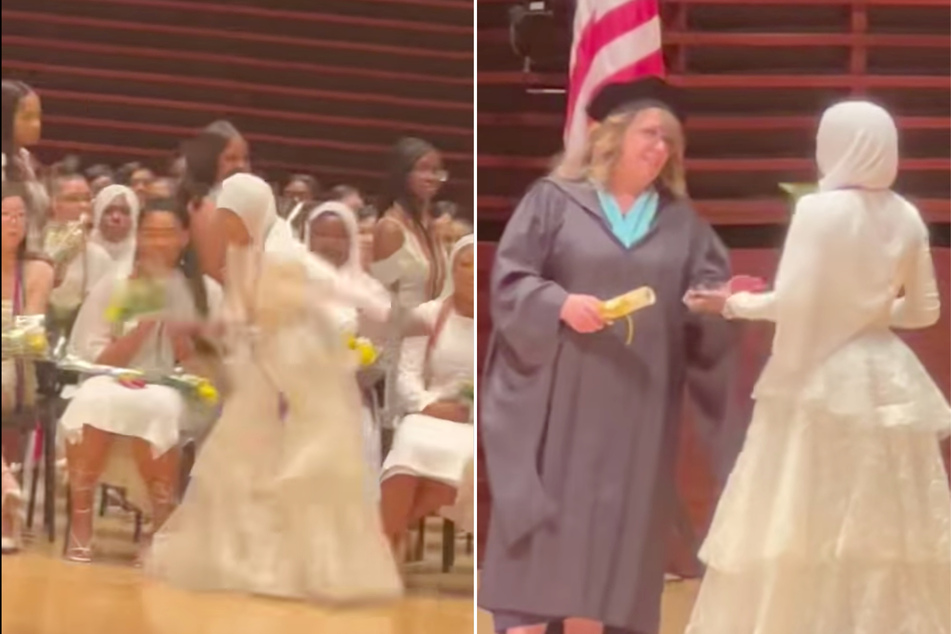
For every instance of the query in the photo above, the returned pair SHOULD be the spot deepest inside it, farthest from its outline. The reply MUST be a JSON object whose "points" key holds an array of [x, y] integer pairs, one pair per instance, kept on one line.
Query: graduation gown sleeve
{"points": [[526, 309], [712, 353]]}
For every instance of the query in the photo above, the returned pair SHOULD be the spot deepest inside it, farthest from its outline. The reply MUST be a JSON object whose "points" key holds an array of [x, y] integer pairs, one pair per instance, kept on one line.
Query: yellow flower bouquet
{"points": [[26, 339], [467, 392], [135, 298], [195, 388], [365, 351]]}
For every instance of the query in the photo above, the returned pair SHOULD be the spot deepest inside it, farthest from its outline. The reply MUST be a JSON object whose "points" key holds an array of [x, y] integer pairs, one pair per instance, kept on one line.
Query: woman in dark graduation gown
{"points": [[580, 428]]}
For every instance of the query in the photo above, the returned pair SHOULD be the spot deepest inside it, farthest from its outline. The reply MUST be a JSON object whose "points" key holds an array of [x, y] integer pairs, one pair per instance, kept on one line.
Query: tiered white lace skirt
{"points": [[837, 516]]}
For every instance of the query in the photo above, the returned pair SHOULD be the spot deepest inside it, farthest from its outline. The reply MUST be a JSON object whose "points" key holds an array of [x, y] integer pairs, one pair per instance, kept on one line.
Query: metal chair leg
{"points": [[421, 541], [103, 499], [448, 546], [69, 518], [49, 474], [34, 479]]}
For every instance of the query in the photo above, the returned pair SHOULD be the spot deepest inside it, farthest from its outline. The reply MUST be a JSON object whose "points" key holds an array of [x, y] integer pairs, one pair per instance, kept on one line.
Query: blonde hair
{"points": [[606, 143]]}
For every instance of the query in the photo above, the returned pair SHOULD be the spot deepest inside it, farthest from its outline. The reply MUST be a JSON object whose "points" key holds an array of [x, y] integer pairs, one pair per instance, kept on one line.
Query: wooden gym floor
{"points": [[678, 602], [42, 594]]}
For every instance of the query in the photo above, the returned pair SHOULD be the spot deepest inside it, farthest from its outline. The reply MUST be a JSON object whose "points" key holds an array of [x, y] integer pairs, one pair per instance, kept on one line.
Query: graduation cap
{"points": [[618, 97]]}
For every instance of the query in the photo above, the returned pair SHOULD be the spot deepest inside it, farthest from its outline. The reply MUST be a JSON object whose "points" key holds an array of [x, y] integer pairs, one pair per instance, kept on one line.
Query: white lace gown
{"points": [[835, 519], [430, 447], [279, 507]]}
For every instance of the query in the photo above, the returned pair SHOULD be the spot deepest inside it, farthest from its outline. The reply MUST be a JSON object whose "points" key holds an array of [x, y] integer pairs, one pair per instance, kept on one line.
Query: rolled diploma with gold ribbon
{"points": [[623, 306]]}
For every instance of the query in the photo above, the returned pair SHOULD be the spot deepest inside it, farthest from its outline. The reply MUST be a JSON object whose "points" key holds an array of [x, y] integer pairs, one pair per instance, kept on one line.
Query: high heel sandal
{"points": [[76, 551], [13, 513]]}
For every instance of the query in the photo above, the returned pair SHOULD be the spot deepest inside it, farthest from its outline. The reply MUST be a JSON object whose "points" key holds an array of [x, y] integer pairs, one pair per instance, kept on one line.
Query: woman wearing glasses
{"points": [[408, 257]]}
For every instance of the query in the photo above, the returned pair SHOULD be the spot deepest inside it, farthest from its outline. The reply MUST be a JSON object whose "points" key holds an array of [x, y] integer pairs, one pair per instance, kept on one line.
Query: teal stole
{"points": [[629, 228]]}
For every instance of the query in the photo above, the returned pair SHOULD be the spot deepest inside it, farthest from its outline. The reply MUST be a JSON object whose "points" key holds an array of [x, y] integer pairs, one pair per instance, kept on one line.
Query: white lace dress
{"points": [[278, 506], [836, 519]]}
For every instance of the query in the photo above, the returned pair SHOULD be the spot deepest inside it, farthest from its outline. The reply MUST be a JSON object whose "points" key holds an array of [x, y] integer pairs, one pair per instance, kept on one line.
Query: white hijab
{"points": [[352, 270], [857, 147], [122, 252], [457, 249], [351, 267], [252, 200]]}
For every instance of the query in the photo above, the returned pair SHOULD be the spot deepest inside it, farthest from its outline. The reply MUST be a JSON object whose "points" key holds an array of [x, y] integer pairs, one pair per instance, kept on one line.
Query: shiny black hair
{"points": [[13, 93], [188, 264]]}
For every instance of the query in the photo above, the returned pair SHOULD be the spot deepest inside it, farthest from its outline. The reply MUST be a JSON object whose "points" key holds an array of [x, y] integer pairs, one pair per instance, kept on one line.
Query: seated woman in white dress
{"points": [[128, 434], [277, 502], [331, 232], [434, 443], [115, 214]]}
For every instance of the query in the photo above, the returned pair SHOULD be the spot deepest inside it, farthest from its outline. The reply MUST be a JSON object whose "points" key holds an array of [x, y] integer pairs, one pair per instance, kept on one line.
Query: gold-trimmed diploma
{"points": [[623, 306], [630, 302]]}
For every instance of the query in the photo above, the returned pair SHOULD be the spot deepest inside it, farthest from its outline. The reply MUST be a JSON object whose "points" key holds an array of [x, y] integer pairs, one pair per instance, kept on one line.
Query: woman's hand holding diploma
{"points": [[582, 313]]}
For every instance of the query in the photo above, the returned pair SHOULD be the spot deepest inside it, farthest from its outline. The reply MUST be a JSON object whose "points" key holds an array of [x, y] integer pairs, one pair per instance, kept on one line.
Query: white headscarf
{"points": [[457, 249], [352, 266], [252, 200], [857, 147], [122, 252], [352, 270]]}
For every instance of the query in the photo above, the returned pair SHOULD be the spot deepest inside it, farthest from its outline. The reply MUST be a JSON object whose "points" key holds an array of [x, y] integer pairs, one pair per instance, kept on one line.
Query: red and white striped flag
{"points": [[614, 41]]}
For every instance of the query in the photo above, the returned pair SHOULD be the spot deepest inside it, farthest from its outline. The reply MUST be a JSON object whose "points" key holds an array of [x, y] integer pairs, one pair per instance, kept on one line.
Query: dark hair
{"points": [[403, 158], [312, 183], [201, 156], [58, 178], [339, 192], [12, 189], [13, 93], [100, 170], [69, 165], [125, 173], [368, 212], [188, 264]]}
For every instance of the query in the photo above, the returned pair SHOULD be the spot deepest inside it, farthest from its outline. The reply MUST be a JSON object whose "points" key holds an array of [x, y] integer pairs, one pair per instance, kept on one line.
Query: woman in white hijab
{"points": [[277, 501], [434, 443], [115, 218], [331, 232], [836, 517]]}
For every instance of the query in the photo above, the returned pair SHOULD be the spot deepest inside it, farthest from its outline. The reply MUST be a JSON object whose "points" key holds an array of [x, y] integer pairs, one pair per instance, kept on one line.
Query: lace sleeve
{"points": [[921, 305]]}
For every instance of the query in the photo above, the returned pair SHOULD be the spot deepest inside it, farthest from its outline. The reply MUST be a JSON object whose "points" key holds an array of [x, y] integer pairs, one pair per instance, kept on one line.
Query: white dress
{"points": [[836, 517], [155, 413], [82, 274], [278, 506], [409, 268], [425, 446]]}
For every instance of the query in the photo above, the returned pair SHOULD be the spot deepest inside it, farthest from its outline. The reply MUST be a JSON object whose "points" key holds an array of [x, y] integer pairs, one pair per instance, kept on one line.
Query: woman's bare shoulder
{"points": [[387, 237], [38, 271]]}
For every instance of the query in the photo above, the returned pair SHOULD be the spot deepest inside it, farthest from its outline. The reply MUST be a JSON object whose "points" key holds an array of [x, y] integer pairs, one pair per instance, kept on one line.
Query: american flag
{"points": [[614, 41]]}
